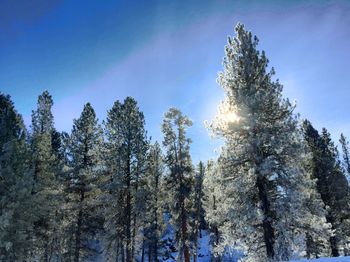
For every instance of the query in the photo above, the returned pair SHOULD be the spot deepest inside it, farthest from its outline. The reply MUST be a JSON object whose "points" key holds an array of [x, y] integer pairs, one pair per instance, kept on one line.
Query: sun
{"points": [[227, 114], [230, 117]]}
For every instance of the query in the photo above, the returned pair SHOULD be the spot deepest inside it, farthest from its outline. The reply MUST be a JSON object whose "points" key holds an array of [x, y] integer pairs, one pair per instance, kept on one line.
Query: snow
{"points": [[204, 252], [203, 245], [326, 259]]}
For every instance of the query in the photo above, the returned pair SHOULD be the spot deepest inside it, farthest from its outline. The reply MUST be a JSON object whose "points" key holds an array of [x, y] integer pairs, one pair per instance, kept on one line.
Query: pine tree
{"points": [[178, 181], [262, 163], [46, 187], [331, 184], [198, 211], [16, 218], [214, 212], [345, 224], [82, 189], [64, 244], [154, 196], [127, 147], [338, 195], [339, 198]]}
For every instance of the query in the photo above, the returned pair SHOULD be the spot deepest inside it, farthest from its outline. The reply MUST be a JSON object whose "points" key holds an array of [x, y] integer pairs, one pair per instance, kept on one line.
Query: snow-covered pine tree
{"points": [[214, 212], [179, 180], [346, 154], [263, 160], [16, 216], [127, 147], [197, 209], [85, 161], [154, 196], [46, 188]]}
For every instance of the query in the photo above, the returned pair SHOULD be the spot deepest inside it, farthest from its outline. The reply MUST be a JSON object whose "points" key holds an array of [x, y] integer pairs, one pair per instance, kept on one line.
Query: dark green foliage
{"points": [[332, 184], [82, 187], [126, 152], [42, 118], [46, 187], [154, 196], [16, 220]]}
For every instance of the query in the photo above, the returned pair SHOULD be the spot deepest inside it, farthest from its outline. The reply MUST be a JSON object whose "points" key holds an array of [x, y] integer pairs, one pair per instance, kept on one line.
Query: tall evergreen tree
{"points": [[46, 187], [214, 212], [198, 211], [85, 161], [262, 163], [178, 181], [154, 195], [339, 198], [16, 218], [127, 147], [67, 211], [331, 182]]}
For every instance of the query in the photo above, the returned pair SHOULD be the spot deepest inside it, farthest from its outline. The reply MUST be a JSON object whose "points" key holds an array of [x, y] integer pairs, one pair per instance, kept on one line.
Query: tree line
{"points": [[277, 191]]}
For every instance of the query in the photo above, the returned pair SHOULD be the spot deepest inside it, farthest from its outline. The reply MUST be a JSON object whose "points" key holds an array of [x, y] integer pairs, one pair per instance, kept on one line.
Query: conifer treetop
{"points": [[42, 117]]}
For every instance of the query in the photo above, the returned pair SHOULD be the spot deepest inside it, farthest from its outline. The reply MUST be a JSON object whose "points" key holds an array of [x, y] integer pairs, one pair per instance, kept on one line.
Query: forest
{"points": [[106, 192]]}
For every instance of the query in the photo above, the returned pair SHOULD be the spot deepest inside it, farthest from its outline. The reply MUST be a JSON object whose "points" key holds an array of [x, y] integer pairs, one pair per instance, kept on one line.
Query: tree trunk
{"points": [[155, 214], [186, 254], [134, 219], [195, 247], [333, 241], [149, 253], [309, 243], [117, 253], [46, 249], [123, 252], [269, 234], [197, 233], [128, 213], [155, 250], [78, 232], [133, 237], [128, 228], [184, 235], [77, 238], [143, 251]]}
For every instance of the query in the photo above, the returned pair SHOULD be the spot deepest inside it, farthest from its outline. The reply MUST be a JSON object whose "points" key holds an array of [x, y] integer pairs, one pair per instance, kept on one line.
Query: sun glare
{"points": [[227, 114], [230, 117]]}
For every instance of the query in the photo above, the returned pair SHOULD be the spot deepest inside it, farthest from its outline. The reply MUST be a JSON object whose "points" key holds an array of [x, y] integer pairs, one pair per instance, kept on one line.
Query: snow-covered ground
{"points": [[204, 251], [326, 259]]}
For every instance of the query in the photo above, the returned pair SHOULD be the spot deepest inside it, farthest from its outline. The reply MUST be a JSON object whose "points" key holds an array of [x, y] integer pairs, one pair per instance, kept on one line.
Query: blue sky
{"points": [[168, 53]]}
